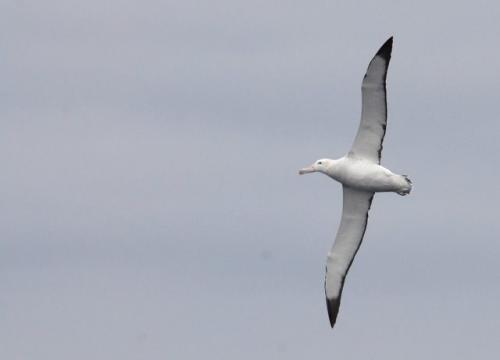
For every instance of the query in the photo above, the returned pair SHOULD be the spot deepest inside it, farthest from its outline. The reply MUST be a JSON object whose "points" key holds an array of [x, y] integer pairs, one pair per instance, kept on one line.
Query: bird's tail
{"points": [[406, 189]]}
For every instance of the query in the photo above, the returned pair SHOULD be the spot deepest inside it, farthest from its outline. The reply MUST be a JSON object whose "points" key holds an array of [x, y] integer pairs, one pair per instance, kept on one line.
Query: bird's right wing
{"points": [[349, 236]]}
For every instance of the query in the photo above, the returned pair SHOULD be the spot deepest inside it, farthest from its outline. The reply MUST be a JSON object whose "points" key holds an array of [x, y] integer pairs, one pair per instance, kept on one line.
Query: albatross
{"points": [[361, 176]]}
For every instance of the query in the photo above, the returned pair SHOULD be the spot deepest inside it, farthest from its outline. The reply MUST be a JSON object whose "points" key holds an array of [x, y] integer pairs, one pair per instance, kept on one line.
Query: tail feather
{"points": [[406, 190]]}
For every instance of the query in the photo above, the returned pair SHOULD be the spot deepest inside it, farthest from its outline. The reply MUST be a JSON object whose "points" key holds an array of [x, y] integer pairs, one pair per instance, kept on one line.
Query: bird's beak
{"points": [[306, 170]]}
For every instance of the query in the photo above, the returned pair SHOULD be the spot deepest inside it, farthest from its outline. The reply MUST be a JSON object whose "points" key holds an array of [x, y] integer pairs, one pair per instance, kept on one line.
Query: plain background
{"points": [[150, 205]]}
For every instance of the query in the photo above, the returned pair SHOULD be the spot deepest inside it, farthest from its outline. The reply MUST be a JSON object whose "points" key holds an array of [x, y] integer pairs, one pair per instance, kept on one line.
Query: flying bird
{"points": [[361, 176]]}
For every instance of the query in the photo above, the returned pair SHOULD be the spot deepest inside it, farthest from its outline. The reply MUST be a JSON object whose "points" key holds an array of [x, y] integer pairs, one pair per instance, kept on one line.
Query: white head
{"points": [[321, 165]]}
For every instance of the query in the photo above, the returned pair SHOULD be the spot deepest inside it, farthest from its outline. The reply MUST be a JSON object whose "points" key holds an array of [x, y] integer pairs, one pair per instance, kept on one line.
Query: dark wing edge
{"points": [[385, 52]]}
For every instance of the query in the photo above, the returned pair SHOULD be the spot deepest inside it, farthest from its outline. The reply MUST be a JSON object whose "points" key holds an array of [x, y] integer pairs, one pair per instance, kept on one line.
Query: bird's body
{"points": [[362, 176]]}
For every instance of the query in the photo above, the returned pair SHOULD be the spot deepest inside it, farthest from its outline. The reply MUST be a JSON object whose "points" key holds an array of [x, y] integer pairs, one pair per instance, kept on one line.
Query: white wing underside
{"points": [[356, 204], [371, 131]]}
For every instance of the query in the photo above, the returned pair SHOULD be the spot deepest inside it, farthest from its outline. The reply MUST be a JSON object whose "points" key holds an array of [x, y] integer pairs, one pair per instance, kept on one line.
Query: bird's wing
{"points": [[368, 141], [349, 237]]}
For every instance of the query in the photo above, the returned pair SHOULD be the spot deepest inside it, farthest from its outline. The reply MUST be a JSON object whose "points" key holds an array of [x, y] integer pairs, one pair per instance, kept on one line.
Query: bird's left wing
{"points": [[349, 236], [371, 132]]}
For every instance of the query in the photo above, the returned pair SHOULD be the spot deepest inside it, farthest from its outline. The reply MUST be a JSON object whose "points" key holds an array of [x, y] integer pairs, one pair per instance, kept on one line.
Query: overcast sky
{"points": [[150, 206]]}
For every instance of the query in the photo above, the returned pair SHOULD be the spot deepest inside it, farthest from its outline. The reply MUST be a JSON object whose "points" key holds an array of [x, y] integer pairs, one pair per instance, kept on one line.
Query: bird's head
{"points": [[320, 165]]}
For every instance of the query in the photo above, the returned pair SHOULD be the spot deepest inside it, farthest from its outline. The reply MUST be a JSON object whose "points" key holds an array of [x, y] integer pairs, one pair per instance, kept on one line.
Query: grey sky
{"points": [[150, 203]]}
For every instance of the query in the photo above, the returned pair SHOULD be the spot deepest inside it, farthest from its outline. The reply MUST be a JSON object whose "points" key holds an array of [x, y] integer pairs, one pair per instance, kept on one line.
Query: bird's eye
{"points": [[319, 162]]}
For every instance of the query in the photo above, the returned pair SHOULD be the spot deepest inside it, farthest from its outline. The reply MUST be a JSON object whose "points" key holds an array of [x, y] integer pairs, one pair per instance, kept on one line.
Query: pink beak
{"points": [[306, 170]]}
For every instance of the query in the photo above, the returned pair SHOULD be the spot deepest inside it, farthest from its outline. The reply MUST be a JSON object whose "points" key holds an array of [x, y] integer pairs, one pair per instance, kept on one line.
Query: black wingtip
{"points": [[333, 306], [386, 49]]}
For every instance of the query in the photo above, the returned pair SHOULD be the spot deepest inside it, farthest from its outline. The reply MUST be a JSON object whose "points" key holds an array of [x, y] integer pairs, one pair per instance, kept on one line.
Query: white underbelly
{"points": [[367, 176]]}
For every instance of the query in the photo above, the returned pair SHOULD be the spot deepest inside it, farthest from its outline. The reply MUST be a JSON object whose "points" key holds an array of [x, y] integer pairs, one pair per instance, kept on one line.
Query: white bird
{"points": [[361, 175]]}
